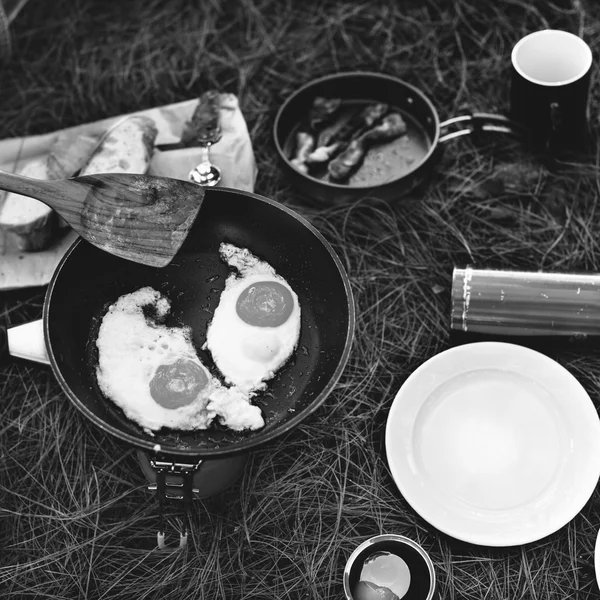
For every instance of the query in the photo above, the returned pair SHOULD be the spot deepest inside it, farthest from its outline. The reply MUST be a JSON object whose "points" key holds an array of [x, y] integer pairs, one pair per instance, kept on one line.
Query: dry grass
{"points": [[75, 518]]}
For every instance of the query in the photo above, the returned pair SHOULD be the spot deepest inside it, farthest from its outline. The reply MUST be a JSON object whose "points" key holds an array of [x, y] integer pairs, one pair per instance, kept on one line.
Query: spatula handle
{"points": [[56, 194]]}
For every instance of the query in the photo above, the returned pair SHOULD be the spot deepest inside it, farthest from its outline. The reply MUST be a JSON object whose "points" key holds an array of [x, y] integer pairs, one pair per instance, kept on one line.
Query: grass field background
{"points": [[76, 519]]}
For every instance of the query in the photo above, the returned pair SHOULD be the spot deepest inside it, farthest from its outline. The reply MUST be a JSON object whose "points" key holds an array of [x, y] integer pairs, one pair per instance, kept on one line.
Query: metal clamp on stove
{"points": [[174, 483], [180, 486], [180, 480]]}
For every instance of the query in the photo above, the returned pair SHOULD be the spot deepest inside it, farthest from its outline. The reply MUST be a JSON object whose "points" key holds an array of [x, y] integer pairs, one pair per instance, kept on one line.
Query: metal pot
{"points": [[414, 106]]}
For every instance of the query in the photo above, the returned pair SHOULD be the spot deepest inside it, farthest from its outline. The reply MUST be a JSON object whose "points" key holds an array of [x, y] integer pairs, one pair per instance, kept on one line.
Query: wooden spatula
{"points": [[142, 218]]}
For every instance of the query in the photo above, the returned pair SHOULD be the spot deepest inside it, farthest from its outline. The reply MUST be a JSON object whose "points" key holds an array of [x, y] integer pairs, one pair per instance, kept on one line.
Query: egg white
{"points": [[132, 346], [248, 356]]}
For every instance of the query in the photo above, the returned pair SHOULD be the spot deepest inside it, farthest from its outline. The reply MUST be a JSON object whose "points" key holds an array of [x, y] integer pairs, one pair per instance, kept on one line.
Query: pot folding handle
{"points": [[477, 123], [24, 341]]}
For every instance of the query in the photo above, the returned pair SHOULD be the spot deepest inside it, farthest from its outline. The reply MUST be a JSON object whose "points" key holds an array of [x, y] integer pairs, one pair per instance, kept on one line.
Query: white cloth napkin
{"points": [[233, 153]]}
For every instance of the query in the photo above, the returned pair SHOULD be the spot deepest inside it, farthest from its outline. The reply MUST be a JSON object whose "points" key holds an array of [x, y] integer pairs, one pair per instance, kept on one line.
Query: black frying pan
{"points": [[87, 280]]}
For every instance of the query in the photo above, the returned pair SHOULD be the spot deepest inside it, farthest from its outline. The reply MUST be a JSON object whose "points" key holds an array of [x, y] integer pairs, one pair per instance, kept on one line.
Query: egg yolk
{"points": [[178, 384], [265, 304]]}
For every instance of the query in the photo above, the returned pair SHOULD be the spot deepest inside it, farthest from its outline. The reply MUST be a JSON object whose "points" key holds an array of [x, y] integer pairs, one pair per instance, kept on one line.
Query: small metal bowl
{"points": [[356, 87], [420, 565]]}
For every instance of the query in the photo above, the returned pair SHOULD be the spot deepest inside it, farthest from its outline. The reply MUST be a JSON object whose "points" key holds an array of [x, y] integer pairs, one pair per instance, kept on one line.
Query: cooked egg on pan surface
{"points": [[256, 325], [152, 371]]}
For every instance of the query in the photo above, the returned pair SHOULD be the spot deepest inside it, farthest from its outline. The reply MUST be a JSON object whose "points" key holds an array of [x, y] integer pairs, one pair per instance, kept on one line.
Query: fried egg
{"points": [[153, 373], [256, 325]]}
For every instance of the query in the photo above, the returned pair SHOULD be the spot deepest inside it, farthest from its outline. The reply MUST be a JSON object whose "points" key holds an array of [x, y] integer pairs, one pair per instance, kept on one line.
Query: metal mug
{"points": [[409, 576], [550, 90]]}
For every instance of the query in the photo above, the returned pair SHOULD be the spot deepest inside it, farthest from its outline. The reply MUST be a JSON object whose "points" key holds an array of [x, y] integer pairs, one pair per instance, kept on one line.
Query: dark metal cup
{"points": [[550, 90]]}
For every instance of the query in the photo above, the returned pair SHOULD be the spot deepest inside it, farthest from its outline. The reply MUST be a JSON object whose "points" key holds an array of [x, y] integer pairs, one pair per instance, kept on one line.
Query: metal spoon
{"points": [[205, 173], [204, 130]]}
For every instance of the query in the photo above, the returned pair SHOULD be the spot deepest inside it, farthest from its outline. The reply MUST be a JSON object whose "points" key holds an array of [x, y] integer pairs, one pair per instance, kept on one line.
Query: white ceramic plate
{"points": [[494, 443]]}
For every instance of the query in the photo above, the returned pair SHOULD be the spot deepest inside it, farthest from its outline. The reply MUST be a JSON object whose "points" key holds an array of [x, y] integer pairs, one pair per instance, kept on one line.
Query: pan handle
{"points": [[24, 341], [477, 123]]}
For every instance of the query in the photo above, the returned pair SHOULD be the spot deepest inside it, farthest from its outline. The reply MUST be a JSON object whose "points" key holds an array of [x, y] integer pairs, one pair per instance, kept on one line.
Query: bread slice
{"points": [[127, 147], [67, 155], [29, 223]]}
